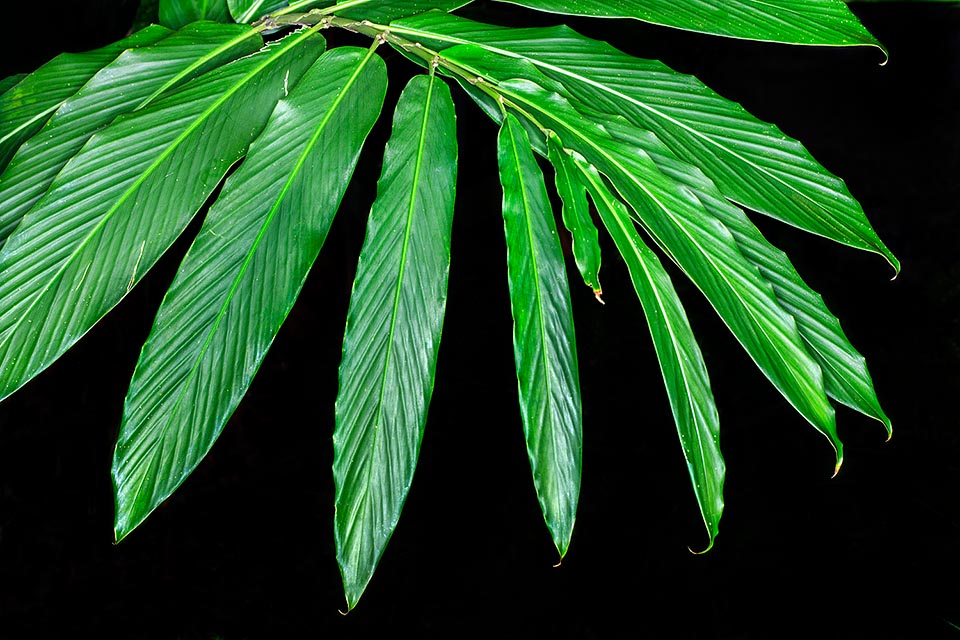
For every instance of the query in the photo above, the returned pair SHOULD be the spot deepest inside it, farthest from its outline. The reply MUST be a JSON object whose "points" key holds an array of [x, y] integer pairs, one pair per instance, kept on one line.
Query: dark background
{"points": [[245, 548]]}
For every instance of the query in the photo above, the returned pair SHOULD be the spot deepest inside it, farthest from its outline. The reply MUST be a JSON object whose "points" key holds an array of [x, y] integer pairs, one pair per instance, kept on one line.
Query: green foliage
{"points": [[107, 156]]}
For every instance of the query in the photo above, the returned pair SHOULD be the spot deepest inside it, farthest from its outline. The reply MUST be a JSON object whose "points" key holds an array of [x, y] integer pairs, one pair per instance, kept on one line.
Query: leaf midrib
{"points": [[541, 324], [408, 226]]}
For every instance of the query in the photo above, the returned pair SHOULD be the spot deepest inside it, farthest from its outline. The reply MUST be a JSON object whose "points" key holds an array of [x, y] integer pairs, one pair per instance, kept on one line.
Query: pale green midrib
{"points": [[249, 14], [541, 323], [107, 216], [196, 65], [27, 123], [798, 349], [667, 322], [819, 208], [235, 285], [364, 492]]}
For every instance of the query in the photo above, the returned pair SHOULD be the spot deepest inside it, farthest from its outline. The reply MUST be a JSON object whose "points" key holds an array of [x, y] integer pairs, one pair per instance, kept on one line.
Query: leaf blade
{"points": [[544, 339], [179, 13], [393, 329], [240, 279]]}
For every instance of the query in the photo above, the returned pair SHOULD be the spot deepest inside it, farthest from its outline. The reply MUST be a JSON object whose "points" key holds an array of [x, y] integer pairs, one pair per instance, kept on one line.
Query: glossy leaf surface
{"points": [[241, 277], [179, 13], [752, 163], [137, 77], [544, 343], [393, 329], [819, 22], [25, 107], [681, 362], [120, 202]]}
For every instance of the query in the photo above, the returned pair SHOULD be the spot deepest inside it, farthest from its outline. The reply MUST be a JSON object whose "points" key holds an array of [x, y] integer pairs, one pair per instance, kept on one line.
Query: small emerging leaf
{"points": [[544, 343], [576, 218], [811, 22]]}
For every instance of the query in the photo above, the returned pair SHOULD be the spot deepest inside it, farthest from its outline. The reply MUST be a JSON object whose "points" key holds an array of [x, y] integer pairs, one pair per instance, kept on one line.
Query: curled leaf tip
{"points": [[559, 562], [836, 469], [700, 553], [597, 293]]}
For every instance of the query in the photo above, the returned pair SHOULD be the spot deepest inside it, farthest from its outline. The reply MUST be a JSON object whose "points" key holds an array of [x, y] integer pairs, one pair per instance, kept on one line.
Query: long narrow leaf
{"points": [[817, 22], [380, 11], [752, 162], [179, 13], [544, 342], [393, 329], [240, 279], [123, 200], [27, 106], [130, 81], [681, 362]]}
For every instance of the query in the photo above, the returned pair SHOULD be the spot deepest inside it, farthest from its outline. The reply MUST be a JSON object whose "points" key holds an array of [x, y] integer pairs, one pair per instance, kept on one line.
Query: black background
{"points": [[245, 548]]}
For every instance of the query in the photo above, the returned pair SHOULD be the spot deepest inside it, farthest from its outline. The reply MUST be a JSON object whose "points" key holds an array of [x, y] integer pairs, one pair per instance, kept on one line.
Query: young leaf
{"points": [[135, 78], [752, 162], [544, 343], [245, 11], [241, 277], [393, 329], [845, 373], [27, 106], [815, 22], [120, 202], [179, 13], [682, 365], [576, 217]]}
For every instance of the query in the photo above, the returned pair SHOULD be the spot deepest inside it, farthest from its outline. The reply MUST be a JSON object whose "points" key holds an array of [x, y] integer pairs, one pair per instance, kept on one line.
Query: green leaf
{"points": [[752, 163], [244, 11], [134, 79], [544, 343], [28, 105], [378, 11], [679, 223], [393, 329], [179, 13], [10, 81], [811, 22], [845, 373], [120, 202], [241, 277], [681, 362], [576, 218]]}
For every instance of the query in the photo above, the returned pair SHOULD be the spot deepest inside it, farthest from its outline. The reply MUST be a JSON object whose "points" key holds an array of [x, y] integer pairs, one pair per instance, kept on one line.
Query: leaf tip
{"points": [[703, 551], [598, 294]]}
